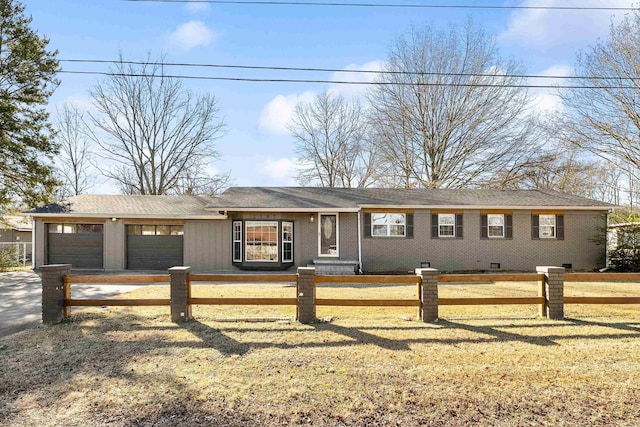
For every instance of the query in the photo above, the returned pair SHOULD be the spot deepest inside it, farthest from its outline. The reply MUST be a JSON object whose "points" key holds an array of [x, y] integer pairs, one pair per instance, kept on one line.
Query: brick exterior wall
{"points": [[521, 253], [53, 292], [553, 292], [306, 295], [428, 294], [180, 294]]}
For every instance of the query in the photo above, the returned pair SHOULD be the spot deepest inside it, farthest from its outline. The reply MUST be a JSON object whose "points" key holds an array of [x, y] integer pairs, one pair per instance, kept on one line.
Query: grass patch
{"points": [[132, 366]]}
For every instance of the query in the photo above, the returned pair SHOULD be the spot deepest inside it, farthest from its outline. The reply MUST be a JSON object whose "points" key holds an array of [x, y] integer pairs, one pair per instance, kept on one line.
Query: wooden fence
{"points": [[369, 279], [57, 299], [602, 277]]}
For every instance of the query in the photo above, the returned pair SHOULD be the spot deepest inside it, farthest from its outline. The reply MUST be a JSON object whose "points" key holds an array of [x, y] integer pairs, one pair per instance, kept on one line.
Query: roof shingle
{"points": [[325, 198]]}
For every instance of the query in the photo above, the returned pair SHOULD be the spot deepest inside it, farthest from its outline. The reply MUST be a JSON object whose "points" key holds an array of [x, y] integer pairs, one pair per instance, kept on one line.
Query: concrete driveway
{"points": [[21, 299]]}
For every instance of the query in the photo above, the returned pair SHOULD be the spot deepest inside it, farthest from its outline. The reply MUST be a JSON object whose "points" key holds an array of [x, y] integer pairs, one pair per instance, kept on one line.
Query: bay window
{"points": [[262, 244], [261, 241]]}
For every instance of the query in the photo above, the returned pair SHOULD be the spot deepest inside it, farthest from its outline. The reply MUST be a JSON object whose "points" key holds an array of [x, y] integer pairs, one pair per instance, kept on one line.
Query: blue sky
{"points": [[256, 147]]}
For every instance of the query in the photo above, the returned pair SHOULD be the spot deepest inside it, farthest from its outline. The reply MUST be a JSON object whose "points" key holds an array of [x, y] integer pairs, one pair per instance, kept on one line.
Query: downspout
{"points": [[359, 243], [33, 244]]}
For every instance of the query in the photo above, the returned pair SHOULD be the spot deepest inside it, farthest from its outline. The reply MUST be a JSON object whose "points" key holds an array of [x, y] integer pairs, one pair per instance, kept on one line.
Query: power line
{"points": [[386, 5], [336, 70], [265, 80]]}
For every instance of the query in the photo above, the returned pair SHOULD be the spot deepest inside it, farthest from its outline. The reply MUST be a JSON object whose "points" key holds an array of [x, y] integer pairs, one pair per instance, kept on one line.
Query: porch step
{"points": [[335, 267]]}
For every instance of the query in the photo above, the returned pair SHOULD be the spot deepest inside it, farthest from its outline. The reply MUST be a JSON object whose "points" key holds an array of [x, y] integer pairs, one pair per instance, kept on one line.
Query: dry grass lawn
{"points": [[495, 366]]}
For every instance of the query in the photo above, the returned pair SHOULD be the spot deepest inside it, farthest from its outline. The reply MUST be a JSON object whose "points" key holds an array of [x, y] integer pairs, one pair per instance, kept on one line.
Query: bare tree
{"points": [[330, 135], [74, 160], [603, 115], [449, 111], [202, 184], [157, 132]]}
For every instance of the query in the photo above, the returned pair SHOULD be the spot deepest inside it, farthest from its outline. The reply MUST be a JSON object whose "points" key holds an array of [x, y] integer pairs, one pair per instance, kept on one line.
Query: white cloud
{"points": [[546, 99], [543, 30], [278, 113], [189, 35], [280, 172], [354, 90]]}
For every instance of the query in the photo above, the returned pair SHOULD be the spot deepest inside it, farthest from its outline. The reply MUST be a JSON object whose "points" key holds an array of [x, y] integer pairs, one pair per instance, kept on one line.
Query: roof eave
{"points": [[501, 207], [288, 210], [123, 216]]}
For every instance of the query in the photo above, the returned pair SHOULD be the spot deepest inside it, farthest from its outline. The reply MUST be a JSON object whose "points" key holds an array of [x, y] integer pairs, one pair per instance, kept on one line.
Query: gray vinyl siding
{"points": [[10, 235], [207, 245], [114, 245], [39, 255], [472, 253]]}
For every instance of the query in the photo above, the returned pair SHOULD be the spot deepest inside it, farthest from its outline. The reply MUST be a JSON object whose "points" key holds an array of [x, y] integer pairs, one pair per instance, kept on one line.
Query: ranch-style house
{"points": [[339, 230]]}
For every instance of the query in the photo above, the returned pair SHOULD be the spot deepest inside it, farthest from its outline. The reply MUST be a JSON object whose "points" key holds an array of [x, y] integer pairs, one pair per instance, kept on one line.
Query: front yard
{"points": [[381, 366]]}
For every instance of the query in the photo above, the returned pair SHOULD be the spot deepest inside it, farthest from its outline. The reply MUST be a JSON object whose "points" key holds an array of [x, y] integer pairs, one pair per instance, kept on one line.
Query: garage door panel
{"points": [[154, 252], [81, 250]]}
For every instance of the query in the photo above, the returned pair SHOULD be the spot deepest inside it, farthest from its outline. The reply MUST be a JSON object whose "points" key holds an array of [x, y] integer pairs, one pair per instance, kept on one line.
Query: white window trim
{"points": [[447, 236], [320, 254], [388, 224], [290, 223], [233, 238], [503, 226], [553, 227], [246, 224]]}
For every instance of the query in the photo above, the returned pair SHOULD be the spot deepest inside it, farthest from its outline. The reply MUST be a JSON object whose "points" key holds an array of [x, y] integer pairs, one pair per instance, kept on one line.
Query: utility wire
{"points": [[264, 80], [386, 5], [335, 70]]}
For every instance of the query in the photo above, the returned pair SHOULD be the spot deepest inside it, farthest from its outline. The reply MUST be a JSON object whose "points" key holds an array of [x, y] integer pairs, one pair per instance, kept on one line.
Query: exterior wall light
{"points": [[312, 218]]}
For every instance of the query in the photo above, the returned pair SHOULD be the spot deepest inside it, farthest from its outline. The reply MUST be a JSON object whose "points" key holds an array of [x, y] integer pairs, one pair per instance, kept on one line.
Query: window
{"points": [[237, 241], [177, 230], [162, 230], [75, 228], [495, 225], [446, 225], [547, 226], [287, 241], [258, 241], [261, 241], [148, 230], [155, 230], [388, 224], [328, 233]]}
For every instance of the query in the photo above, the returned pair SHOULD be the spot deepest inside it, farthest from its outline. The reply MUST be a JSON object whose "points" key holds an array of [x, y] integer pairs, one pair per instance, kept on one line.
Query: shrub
{"points": [[8, 258]]}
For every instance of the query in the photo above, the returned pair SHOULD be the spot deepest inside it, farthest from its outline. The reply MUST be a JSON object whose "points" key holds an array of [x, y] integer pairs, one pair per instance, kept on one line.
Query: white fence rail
{"points": [[22, 251]]}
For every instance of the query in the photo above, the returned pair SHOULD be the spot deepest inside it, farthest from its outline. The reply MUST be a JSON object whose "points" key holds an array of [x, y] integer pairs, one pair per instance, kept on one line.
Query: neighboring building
{"points": [[15, 235], [15, 229], [379, 230]]}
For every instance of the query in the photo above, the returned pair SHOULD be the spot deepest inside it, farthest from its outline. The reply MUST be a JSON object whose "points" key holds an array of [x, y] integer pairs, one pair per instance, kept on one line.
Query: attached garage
{"points": [[154, 247], [80, 245]]}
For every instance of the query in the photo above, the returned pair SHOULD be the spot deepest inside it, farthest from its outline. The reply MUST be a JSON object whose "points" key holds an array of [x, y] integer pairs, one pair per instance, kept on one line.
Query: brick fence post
{"points": [[553, 291], [180, 294], [53, 292], [428, 294], [306, 288]]}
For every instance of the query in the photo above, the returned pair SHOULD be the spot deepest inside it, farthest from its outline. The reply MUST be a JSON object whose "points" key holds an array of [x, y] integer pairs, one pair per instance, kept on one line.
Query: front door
{"points": [[328, 235]]}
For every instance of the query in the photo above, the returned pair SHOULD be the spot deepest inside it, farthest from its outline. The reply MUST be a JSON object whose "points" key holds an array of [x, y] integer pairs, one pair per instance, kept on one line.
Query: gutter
{"points": [[360, 269], [105, 216], [481, 207]]}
